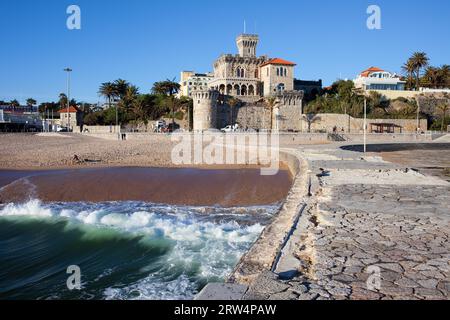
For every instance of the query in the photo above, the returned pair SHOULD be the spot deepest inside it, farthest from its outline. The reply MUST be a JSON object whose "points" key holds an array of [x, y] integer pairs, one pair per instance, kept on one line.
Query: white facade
{"points": [[378, 79], [191, 81]]}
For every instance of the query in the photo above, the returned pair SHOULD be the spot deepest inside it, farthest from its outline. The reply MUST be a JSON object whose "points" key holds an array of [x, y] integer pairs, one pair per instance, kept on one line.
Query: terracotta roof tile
{"points": [[72, 109], [278, 61], [367, 72]]}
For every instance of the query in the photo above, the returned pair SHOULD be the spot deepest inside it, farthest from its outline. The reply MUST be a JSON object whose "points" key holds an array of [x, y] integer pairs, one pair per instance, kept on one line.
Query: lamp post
{"points": [[418, 116], [365, 124], [68, 70], [117, 121], [361, 91]]}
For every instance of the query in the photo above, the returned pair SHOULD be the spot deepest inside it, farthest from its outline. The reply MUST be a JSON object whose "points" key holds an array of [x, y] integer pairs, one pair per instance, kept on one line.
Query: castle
{"points": [[250, 79]]}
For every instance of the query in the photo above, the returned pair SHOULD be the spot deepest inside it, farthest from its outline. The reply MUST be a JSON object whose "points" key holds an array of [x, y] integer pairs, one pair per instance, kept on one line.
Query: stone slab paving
{"points": [[370, 231]]}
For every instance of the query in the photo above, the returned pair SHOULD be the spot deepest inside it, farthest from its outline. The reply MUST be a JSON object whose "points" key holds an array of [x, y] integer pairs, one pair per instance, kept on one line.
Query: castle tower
{"points": [[246, 44], [205, 109]]}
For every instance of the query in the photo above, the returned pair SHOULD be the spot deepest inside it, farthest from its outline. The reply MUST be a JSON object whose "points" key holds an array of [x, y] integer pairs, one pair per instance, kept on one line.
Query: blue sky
{"points": [[144, 41]]}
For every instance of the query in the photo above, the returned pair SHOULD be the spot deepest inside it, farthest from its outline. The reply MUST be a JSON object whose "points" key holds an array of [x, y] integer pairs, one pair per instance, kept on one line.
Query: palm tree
{"points": [[108, 90], [14, 103], [168, 88], [129, 98], [443, 108], [432, 77], [233, 103], [409, 70], [62, 99], [121, 87], [271, 103], [445, 74], [420, 61], [310, 118], [31, 102]]}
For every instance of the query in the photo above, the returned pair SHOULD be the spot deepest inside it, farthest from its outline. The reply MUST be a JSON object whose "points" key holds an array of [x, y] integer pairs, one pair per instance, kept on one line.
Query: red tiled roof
{"points": [[278, 61], [367, 72], [72, 109]]}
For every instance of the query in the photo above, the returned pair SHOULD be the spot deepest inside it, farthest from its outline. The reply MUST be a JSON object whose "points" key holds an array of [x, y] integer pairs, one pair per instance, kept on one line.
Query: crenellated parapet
{"points": [[209, 94], [205, 111], [288, 98]]}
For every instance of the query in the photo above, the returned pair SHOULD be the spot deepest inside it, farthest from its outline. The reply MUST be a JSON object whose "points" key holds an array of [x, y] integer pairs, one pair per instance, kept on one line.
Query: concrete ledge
{"points": [[262, 255], [222, 291]]}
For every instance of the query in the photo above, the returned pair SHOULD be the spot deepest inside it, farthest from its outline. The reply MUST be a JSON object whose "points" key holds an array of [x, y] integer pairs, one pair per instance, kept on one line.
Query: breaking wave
{"points": [[126, 250]]}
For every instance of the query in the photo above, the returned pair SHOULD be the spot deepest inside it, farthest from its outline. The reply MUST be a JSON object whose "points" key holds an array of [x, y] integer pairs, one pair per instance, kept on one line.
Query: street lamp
{"points": [[365, 123], [418, 116], [361, 91], [68, 70]]}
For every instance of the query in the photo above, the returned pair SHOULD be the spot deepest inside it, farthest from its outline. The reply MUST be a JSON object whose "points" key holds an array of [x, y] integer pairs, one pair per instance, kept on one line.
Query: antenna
{"points": [[245, 26]]}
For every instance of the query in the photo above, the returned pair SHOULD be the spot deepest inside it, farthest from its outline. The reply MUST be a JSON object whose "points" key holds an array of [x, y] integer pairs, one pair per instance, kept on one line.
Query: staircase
{"points": [[337, 137]]}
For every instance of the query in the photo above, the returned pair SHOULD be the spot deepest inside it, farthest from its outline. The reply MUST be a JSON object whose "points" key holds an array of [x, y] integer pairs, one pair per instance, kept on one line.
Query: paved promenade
{"points": [[371, 230]]}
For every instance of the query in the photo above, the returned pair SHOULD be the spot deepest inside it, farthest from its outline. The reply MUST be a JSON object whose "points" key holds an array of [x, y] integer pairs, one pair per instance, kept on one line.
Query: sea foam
{"points": [[204, 243]]}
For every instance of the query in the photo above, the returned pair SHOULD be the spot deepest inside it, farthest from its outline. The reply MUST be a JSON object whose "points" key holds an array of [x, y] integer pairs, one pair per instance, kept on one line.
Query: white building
{"points": [[191, 81], [377, 79]]}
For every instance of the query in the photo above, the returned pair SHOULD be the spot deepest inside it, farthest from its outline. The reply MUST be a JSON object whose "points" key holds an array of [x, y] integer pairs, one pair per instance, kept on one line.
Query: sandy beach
{"points": [[109, 170], [35, 152]]}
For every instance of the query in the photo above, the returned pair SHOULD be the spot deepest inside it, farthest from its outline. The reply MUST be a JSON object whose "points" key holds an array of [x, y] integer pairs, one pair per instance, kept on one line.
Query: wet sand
{"points": [[177, 186]]}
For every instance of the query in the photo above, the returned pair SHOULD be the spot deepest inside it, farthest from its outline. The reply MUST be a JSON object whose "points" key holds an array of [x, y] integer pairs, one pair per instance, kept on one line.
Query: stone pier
{"points": [[354, 227]]}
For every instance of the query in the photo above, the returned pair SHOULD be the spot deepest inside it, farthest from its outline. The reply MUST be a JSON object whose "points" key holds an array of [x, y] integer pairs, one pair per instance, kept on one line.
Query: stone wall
{"points": [[97, 129], [255, 116], [326, 123], [286, 115], [394, 94]]}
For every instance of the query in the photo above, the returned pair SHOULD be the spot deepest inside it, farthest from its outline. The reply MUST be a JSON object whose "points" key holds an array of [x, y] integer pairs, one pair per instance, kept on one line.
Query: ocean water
{"points": [[125, 250]]}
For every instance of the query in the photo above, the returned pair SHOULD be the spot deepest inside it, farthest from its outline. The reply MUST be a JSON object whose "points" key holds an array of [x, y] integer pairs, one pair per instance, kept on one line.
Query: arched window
{"points": [[256, 73], [278, 72], [244, 90], [237, 90], [238, 72], [285, 72], [242, 73]]}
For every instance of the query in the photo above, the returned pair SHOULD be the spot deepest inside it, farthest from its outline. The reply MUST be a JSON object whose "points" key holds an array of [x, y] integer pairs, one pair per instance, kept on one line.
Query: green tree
{"points": [[419, 60], [128, 100], [108, 90], [31, 102], [445, 76], [409, 68], [94, 119], [62, 100], [168, 88], [311, 118], [121, 88], [14, 103], [432, 77], [443, 108], [271, 104]]}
